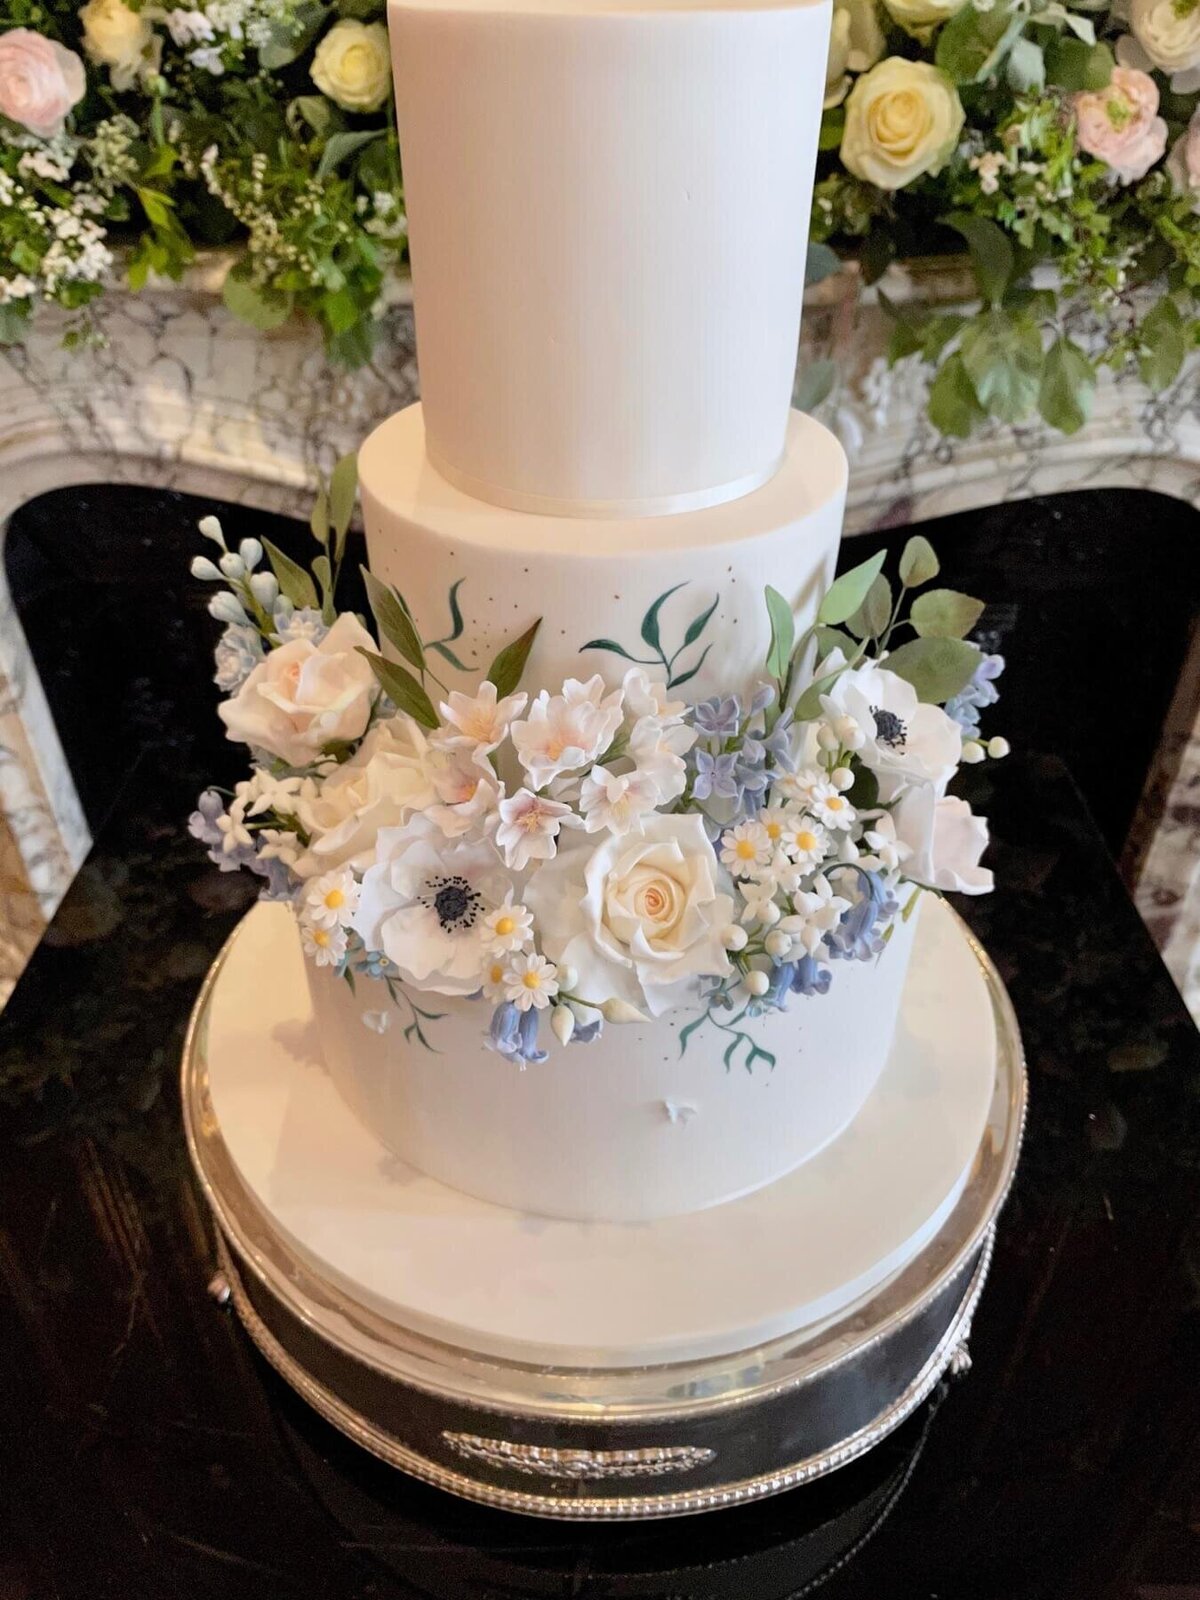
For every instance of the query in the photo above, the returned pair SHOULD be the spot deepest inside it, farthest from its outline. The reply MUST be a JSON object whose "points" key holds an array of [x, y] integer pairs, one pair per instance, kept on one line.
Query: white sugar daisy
{"points": [[831, 807], [326, 946], [532, 982], [506, 929], [746, 849], [496, 979], [805, 841], [331, 901]]}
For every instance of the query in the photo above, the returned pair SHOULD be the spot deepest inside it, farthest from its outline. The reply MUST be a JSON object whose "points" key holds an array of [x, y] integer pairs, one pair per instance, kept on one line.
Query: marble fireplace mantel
{"points": [[180, 395]]}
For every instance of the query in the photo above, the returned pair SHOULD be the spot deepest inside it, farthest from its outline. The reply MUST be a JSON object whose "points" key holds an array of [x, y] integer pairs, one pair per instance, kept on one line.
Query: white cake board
{"points": [[568, 1294]]}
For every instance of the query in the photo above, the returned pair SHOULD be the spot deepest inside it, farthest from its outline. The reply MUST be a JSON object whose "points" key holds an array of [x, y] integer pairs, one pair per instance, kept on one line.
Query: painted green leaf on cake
{"points": [[739, 1041], [457, 627], [651, 633]]}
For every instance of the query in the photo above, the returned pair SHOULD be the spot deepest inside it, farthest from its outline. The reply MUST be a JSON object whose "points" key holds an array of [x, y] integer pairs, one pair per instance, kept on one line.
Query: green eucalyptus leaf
{"points": [[848, 592], [1073, 65], [815, 384], [992, 257], [506, 670], [324, 576], [402, 689], [262, 309], [294, 583], [954, 407], [314, 112], [1067, 388], [829, 639], [809, 704], [343, 486], [1165, 345], [873, 616], [1002, 356], [938, 669], [339, 147], [945, 614], [783, 634], [393, 620], [918, 562], [973, 43], [318, 519]]}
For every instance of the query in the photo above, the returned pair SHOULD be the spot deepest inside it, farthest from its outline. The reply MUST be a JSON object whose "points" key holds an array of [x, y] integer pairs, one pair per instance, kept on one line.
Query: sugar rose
{"points": [[1169, 33], [636, 916], [903, 119], [40, 81], [1120, 125], [855, 44], [352, 65], [116, 37], [305, 696]]}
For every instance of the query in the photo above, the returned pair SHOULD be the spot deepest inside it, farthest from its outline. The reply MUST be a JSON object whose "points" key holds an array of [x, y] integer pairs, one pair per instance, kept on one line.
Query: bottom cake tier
{"points": [[609, 1370]]}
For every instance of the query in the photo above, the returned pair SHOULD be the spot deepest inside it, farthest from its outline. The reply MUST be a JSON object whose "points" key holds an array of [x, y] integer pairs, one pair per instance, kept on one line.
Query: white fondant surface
{"points": [[608, 211], [597, 579], [617, 1294]]}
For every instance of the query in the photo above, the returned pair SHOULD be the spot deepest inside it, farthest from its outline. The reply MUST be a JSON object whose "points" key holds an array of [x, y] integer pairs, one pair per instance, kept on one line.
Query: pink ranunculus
{"points": [[40, 80], [1120, 125]]}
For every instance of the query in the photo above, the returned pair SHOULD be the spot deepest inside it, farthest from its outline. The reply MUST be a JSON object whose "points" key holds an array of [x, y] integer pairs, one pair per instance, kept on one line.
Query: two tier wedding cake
{"points": [[607, 837]]}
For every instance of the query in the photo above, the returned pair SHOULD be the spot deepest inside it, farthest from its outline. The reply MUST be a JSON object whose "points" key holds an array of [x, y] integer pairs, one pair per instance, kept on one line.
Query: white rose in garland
{"points": [[856, 43], [1166, 35], [636, 917], [903, 119], [352, 65], [116, 37], [425, 902], [303, 697], [382, 784], [920, 17]]}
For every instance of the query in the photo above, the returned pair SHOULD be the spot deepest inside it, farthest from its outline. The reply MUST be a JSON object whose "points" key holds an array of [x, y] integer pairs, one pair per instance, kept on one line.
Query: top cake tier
{"points": [[608, 209]]}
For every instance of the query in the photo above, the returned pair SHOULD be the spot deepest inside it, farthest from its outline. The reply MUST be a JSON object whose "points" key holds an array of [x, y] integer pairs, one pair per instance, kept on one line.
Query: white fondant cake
{"points": [[643, 1122], [608, 209]]}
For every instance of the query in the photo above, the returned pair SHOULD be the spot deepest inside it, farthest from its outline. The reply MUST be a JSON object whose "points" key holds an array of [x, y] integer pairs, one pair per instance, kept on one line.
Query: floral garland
{"points": [[593, 854]]}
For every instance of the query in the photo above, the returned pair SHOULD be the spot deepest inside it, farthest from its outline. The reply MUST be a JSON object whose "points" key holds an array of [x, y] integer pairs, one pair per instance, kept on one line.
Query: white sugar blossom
{"points": [[616, 801], [331, 901], [532, 982], [907, 740], [423, 902], [325, 946], [506, 929], [758, 899], [529, 827], [830, 807], [888, 851], [567, 731], [481, 719], [746, 849], [817, 911], [468, 791]]}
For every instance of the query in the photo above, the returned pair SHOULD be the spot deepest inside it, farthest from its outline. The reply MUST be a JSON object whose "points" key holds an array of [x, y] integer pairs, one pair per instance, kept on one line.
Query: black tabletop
{"points": [[146, 1451]]}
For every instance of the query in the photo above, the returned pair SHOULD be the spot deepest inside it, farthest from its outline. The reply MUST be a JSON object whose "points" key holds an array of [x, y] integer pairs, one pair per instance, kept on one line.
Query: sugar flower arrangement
{"points": [[591, 854]]}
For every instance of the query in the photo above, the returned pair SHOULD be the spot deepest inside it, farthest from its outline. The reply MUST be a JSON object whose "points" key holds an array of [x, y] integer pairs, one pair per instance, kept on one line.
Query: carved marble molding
{"points": [[182, 396]]}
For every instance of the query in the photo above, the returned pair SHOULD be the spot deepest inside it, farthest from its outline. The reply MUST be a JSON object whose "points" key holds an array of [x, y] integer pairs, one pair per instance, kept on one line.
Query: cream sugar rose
{"points": [[714, 901]]}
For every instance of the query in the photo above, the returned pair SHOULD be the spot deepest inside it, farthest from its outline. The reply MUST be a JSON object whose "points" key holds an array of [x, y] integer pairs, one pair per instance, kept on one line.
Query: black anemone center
{"points": [[453, 901], [889, 729]]}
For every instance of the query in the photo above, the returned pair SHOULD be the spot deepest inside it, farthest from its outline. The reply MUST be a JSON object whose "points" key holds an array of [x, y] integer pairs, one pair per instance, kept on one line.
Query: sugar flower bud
{"points": [[568, 977], [562, 1021], [251, 553], [842, 779], [757, 983], [777, 944], [232, 565], [204, 569], [226, 607], [998, 748], [827, 739], [621, 1011], [972, 752], [735, 938], [264, 586], [210, 527]]}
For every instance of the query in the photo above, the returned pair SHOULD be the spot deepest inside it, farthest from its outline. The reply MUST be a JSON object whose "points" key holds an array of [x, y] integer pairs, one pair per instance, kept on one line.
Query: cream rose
{"points": [[1120, 125], [352, 65], [855, 43], [638, 917], [920, 17], [305, 696], [116, 37], [903, 118], [1169, 34], [381, 786], [40, 80]]}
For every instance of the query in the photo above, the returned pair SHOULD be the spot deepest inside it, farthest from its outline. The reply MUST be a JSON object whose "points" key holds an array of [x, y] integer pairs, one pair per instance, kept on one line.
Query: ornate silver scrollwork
{"points": [[543, 1461]]}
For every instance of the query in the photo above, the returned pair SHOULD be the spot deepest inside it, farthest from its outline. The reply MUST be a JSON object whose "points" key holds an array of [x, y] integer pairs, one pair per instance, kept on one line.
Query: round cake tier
{"points": [[486, 1279], [683, 595], [608, 210]]}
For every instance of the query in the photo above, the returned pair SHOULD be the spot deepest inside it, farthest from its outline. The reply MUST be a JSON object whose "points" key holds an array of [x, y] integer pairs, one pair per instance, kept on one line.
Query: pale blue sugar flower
{"points": [[292, 623], [718, 718], [714, 775], [202, 824], [980, 693], [764, 694], [238, 652]]}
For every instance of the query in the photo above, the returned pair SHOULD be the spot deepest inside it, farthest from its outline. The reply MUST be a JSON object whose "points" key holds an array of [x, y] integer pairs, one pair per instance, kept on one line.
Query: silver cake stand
{"points": [[612, 1444]]}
